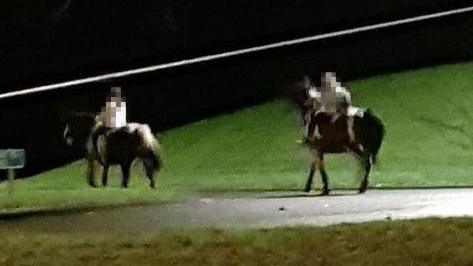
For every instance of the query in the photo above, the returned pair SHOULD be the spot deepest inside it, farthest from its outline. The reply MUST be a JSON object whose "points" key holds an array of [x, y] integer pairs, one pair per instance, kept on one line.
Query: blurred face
{"points": [[327, 79], [113, 100], [116, 92]]}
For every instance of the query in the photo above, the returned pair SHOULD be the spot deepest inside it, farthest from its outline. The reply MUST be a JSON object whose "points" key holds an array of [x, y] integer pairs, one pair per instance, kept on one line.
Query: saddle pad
{"points": [[356, 111]]}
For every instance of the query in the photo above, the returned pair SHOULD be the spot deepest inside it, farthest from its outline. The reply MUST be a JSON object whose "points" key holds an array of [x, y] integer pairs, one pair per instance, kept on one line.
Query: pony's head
{"points": [[300, 93], [78, 128]]}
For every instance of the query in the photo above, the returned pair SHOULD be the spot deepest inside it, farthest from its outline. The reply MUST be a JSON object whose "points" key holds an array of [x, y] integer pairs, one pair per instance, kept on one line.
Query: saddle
{"points": [[356, 111], [102, 130], [325, 124], [350, 111]]}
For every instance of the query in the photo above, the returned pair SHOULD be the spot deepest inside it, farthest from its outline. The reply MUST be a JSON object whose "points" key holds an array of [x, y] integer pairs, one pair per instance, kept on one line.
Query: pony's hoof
{"points": [[325, 192], [363, 188], [307, 189], [93, 185]]}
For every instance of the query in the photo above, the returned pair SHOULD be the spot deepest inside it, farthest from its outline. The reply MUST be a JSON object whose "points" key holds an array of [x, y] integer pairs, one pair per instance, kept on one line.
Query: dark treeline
{"points": [[53, 40]]}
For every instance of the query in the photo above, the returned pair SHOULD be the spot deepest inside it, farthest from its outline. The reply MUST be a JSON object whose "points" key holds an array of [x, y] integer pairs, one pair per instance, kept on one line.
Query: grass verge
{"points": [[417, 242]]}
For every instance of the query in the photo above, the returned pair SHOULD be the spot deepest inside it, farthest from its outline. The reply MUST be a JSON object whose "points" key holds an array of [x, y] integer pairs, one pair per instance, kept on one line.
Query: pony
{"points": [[326, 133], [120, 146]]}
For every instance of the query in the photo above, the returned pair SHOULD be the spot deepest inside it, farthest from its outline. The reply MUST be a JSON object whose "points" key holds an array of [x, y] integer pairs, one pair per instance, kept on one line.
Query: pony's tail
{"points": [[157, 160], [151, 144], [375, 132], [153, 159]]}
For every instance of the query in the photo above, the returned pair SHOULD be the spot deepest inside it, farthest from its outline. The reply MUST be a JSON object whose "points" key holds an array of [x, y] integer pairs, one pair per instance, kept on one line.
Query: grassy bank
{"points": [[428, 143], [422, 242]]}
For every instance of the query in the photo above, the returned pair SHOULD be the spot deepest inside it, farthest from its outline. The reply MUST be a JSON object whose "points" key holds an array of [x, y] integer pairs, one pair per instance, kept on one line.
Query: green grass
{"points": [[420, 242], [428, 143]]}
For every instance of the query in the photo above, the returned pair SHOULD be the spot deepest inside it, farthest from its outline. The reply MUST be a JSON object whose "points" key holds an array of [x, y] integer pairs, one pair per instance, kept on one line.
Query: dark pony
{"points": [[113, 146], [324, 133]]}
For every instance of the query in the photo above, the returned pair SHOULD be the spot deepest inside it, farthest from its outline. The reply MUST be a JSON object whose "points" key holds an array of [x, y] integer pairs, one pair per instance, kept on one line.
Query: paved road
{"points": [[269, 210]]}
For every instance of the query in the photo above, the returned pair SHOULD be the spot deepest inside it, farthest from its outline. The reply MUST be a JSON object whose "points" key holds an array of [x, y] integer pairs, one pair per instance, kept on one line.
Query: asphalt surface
{"points": [[266, 211]]}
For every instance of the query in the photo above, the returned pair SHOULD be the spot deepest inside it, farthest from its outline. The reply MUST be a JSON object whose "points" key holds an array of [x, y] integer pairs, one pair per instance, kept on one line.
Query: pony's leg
{"points": [[105, 175], [312, 169], [152, 163], [325, 189], [317, 163], [150, 175], [91, 167], [150, 167], [367, 166], [125, 173], [364, 159]]}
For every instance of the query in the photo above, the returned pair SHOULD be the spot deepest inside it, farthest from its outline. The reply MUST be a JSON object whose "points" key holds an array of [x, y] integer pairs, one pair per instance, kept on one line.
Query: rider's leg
{"points": [[351, 132], [350, 122], [335, 116]]}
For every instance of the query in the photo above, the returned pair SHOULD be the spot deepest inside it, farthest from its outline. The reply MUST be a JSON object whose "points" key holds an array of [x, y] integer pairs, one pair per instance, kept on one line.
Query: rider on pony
{"points": [[335, 100], [114, 113], [112, 116]]}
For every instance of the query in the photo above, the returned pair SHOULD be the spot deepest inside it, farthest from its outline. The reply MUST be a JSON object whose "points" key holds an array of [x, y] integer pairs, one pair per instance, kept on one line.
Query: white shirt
{"points": [[327, 100], [115, 114]]}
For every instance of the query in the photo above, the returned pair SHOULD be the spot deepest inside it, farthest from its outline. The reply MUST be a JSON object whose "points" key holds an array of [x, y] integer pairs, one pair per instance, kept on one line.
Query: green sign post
{"points": [[12, 159]]}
